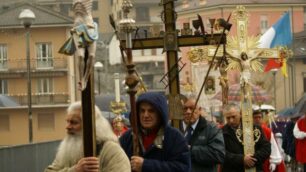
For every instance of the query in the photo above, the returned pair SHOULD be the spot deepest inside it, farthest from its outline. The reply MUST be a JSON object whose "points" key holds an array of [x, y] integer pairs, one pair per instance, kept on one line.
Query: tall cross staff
{"points": [[244, 55], [82, 44], [171, 42], [131, 80]]}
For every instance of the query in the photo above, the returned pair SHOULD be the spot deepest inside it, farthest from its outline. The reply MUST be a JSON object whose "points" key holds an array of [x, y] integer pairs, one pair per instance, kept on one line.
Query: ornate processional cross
{"points": [[171, 42], [243, 54]]}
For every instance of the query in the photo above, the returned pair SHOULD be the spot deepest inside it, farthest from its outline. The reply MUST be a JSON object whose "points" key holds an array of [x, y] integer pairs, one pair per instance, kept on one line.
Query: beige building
{"points": [[52, 74], [51, 79]]}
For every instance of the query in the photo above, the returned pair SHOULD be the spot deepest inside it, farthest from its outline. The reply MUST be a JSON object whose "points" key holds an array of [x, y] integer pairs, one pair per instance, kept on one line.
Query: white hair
{"points": [[104, 131], [230, 106], [70, 151]]}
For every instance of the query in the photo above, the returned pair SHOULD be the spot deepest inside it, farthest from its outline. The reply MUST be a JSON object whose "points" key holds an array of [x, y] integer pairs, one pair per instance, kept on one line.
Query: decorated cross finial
{"points": [[84, 35], [127, 24], [131, 79], [86, 4]]}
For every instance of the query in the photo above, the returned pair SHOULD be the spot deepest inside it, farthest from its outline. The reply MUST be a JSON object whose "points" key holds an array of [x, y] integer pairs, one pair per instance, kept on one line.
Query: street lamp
{"points": [[27, 17], [274, 71], [99, 66]]}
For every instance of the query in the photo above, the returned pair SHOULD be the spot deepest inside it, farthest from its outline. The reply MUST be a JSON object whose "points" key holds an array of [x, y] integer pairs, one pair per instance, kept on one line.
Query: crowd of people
{"points": [[198, 145]]}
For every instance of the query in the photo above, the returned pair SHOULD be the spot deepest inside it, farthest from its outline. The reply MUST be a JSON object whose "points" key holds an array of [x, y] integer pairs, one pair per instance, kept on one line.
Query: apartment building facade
{"points": [[52, 75]]}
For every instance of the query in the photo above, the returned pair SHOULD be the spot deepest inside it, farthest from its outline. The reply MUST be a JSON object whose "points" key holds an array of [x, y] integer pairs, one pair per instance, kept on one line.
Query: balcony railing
{"points": [[21, 64], [42, 98], [45, 63], [3, 64]]}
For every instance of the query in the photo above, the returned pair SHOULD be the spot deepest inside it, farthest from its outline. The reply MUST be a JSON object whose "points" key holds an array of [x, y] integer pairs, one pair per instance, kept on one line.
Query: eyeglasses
{"points": [[191, 108]]}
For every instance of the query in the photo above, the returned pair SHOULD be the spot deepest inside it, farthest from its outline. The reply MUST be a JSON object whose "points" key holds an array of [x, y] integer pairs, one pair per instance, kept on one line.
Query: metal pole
{"points": [[294, 60], [274, 85], [99, 82], [29, 84]]}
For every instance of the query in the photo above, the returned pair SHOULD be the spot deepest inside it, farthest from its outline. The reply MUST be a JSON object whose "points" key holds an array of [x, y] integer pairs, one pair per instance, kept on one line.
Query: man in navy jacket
{"points": [[206, 142], [162, 147]]}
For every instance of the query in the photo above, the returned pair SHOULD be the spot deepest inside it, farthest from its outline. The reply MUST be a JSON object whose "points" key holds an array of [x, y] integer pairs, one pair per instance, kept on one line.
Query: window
{"points": [[45, 85], [3, 56], [156, 82], [65, 8], [44, 55], [142, 14], [4, 123], [263, 24], [148, 80], [3, 86], [46, 121], [95, 5]]}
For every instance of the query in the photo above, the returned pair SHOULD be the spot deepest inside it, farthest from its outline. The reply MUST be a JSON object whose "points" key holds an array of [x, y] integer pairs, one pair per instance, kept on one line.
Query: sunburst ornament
{"points": [[253, 61]]}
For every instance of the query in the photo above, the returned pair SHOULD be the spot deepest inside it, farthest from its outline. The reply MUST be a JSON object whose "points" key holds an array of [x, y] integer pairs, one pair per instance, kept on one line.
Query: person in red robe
{"points": [[275, 163], [119, 127], [299, 133]]}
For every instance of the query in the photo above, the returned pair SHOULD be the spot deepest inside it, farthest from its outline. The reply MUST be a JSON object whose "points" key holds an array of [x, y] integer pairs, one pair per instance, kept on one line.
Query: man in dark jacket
{"points": [[289, 143], [163, 148], [206, 141], [235, 160]]}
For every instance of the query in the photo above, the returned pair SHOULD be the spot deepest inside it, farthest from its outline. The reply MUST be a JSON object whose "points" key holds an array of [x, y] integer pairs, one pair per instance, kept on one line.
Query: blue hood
{"points": [[158, 101]]}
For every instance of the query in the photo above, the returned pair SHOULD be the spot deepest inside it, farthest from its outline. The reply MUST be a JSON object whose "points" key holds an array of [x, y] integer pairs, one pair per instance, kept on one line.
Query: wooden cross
{"points": [[84, 52], [171, 42]]}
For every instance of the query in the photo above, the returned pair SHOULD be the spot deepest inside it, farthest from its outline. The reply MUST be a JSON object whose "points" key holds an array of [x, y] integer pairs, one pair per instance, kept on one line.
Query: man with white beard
{"points": [[69, 157]]}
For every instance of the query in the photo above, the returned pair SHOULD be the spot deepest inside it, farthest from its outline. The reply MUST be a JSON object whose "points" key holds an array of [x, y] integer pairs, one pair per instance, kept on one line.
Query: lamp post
{"points": [[99, 66], [274, 71], [27, 17]]}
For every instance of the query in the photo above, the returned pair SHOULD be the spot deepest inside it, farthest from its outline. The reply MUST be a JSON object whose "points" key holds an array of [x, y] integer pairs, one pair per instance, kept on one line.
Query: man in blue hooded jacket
{"points": [[162, 147]]}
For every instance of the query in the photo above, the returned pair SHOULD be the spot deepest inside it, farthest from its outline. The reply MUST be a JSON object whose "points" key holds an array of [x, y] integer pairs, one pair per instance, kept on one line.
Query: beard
{"points": [[70, 150]]}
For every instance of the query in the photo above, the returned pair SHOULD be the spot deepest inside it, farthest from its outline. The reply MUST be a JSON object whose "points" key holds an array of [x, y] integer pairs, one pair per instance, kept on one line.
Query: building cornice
{"points": [[199, 9]]}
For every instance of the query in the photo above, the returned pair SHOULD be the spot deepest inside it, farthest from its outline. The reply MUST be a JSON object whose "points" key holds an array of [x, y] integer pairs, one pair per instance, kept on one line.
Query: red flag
{"points": [[273, 64]]}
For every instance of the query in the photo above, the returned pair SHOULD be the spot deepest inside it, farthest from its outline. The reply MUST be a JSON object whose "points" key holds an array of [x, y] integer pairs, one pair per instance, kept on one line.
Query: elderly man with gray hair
{"points": [[69, 157], [235, 159]]}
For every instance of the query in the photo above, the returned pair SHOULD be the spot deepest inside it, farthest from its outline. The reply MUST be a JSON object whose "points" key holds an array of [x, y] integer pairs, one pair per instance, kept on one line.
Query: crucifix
{"points": [[82, 44], [242, 54], [170, 41]]}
